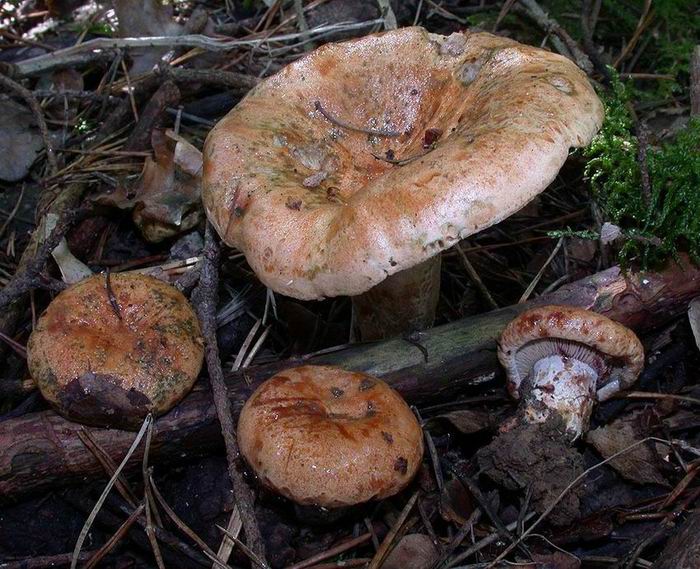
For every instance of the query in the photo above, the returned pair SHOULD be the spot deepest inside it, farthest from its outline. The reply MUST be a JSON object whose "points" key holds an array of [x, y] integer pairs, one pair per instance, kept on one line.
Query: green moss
{"points": [[668, 220]]}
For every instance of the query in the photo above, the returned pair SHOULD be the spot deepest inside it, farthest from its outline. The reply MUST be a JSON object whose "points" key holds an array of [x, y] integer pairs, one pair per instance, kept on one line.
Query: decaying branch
{"points": [[42, 450]]}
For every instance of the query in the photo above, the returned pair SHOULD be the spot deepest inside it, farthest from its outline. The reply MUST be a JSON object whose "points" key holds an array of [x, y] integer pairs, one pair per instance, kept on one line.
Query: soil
{"points": [[537, 458]]}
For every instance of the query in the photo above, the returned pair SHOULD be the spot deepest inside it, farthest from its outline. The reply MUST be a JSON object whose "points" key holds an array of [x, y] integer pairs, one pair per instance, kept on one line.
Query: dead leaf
{"points": [[415, 550], [469, 421], [166, 198], [640, 464], [456, 502], [145, 18], [20, 141]]}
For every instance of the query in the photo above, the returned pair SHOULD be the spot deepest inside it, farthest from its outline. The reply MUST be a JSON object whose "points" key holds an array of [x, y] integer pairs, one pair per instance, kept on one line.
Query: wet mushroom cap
{"points": [[367, 157], [328, 437], [612, 350], [109, 355]]}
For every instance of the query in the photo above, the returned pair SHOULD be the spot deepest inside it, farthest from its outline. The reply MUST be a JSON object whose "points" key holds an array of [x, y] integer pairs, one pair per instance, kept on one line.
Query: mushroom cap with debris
{"points": [[328, 437], [108, 352], [368, 157], [612, 350]]}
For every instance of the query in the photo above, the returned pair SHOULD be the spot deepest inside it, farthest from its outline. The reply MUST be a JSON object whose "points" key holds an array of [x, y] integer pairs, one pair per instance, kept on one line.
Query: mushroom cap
{"points": [[328, 437], [479, 125], [98, 368], [611, 349]]}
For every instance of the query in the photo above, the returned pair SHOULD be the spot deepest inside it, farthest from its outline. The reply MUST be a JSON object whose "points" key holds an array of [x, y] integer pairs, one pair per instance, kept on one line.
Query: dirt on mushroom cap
{"points": [[110, 354], [328, 437], [324, 175]]}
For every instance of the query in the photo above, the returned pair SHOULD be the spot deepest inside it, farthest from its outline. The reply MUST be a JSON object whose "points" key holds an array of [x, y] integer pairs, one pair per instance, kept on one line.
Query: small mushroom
{"points": [[561, 359], [323, 436], [352, 168], [113, 348]]}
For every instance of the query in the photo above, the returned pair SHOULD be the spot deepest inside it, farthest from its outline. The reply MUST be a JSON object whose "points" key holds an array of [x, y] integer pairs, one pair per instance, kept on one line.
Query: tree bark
{"points": [[42, 450]]}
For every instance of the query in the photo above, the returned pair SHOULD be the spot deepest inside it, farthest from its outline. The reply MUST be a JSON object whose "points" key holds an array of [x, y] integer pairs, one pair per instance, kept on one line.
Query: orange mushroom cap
{"points": [[109, 355], [611, 349], [370, 156], [328, 437]]}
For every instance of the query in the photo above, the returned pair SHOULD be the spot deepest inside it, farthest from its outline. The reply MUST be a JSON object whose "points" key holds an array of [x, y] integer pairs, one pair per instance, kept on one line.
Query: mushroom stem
{"points": [[402, 303], [565, 386]]}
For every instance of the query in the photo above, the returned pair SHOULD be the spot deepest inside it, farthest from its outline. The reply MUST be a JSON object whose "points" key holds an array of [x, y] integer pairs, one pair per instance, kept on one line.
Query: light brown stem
{"points": [[402, 303]]}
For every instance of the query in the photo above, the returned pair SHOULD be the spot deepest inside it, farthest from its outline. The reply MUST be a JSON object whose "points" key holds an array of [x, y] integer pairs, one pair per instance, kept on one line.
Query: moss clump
{"points": [[666, 221]]}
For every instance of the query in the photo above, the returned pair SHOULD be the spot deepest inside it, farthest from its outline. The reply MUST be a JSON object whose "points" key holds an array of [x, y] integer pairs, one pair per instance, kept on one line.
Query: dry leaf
{"points": [[468, 421], [415, 550], [456, 502], [166, 199], [640, 464], [20, 141]]}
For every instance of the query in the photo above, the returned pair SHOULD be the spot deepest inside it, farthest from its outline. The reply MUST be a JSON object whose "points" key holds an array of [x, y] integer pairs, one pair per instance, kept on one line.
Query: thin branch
{"points": [[48, 61], [24, 280], [550, 25], [205, 298]]}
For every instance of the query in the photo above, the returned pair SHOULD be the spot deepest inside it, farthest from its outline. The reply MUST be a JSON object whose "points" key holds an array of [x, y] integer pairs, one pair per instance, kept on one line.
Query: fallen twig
{"points": [[61, 57], [28, 276], [205, 298], [42, 450], [564, 43]]}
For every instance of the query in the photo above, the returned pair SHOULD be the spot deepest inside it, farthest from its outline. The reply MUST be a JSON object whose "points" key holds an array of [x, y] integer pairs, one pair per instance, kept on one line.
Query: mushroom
{"points": [[323, 436], [113, 348], [356, 165], [565, 358], [559, 360]]}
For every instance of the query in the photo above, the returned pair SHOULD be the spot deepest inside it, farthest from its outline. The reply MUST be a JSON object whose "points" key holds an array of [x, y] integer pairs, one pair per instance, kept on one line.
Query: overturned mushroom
{"points": [[323, 436], [559, 360], [113, 348], [362, 161], [566, 358]]}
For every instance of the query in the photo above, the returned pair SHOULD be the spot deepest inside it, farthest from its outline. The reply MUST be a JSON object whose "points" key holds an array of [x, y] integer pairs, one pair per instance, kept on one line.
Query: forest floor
{"points": [[89, 126]]}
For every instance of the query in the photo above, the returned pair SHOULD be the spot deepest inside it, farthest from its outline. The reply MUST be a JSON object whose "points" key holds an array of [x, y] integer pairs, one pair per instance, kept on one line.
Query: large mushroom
{"points": [[323, 436], [113, 348], [356, 165], [559, 360]]}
